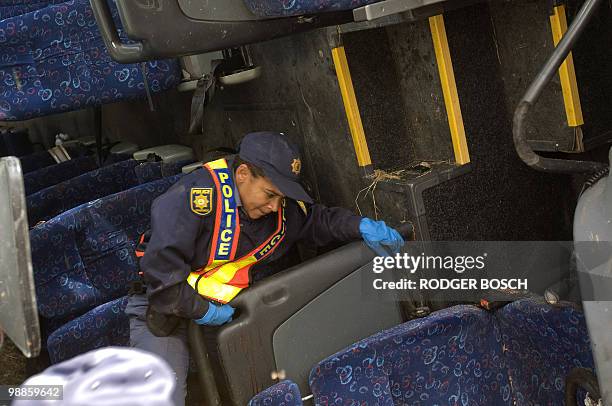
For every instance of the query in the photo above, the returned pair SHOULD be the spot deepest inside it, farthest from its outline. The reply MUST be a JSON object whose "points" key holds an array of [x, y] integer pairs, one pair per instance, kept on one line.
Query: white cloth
{"points": [[110, 376]]}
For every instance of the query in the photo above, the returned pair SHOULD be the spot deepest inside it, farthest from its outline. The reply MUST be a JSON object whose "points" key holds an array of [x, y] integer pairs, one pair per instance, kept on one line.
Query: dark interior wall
{"points": [[522, 40], [137, 123], [398, 90], [501, 199], [593, 63], [132, 121], [298, 95]]}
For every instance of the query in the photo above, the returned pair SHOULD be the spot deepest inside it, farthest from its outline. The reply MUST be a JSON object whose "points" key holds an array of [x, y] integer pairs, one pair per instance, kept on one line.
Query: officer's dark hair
{"points": [[255, 170]]}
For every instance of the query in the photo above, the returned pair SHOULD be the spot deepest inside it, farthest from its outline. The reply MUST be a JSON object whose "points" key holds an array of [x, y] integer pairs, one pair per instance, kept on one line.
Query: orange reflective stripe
{"points": [[139, 251]]}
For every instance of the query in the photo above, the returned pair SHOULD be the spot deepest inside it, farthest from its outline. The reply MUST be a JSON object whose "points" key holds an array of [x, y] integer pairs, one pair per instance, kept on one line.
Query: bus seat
{"points": [[449, 357], [52, 175], [521, 353], [276, 8], [102, 326], [95, 184], [56, 61], [543, 344], [285, 393], [35, 161], [85, 256], [13, 8]]}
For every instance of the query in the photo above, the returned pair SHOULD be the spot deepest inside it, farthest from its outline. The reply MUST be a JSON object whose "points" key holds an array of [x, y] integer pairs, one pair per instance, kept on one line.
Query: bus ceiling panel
{"points": [[18, 311], [164, 30]]}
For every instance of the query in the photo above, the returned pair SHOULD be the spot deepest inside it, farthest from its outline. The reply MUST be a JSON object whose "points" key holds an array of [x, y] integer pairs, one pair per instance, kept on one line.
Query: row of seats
{"points": [[56, 199], [83, 254], [462, 355], [53, 59], [54, 174], [84, 258]]}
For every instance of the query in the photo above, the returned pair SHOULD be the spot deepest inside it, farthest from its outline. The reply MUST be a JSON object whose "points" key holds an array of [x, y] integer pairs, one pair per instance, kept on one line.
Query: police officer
{"points": [[216, 227]]}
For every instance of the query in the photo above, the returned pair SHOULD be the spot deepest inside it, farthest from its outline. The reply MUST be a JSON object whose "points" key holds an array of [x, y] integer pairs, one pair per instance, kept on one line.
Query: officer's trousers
{"points": [[174, 349]]}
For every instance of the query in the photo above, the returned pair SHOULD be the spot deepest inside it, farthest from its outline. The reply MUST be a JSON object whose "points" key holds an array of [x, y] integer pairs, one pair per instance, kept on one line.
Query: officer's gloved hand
{"points": [[216, 315], [376, 234]]}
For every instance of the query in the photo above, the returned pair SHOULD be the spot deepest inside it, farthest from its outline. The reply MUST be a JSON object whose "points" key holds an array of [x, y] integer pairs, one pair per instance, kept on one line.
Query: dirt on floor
{"points": [[12, 364]]}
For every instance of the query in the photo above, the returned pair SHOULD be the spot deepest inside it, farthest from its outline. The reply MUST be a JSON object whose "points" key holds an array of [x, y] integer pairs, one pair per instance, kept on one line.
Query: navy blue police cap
{"points": [[279, 159]]}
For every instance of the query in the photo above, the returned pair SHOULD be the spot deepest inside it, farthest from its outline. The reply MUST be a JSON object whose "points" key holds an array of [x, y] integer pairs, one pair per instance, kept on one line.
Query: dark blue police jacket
{"points": [[181, 239]]}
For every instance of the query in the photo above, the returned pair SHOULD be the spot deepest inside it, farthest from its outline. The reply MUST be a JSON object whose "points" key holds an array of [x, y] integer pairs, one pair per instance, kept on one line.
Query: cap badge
{"points": [[201, 200], [296, 166]]}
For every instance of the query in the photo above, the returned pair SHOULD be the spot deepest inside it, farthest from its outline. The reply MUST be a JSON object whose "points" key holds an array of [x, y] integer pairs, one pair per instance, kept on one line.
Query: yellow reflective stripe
{"points": [[567, 74], [351, 107], [449, 89], [227, 272], [218, 164], [213, 289]]}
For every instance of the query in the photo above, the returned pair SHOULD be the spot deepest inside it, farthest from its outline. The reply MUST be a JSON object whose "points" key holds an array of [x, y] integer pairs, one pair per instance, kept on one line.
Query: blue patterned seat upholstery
{"points": [[521, 355], [543, 344], [95, 184], [452, 357], [54, 174], [12, 8], [53, 60], [284, 393], [286, 8], [103, 326], [85, 256]]}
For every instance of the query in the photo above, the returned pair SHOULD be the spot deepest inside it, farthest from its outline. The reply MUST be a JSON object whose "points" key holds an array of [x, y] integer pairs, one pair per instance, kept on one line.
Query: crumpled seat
{"points": [[285, 393], [453, 356], [283, 8], [521, 354], [105, 325], [91, 185], [543, 344], [53, 60], [85, 257]]}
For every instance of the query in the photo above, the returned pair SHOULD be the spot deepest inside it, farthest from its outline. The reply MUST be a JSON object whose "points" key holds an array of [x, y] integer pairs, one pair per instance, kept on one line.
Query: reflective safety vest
{"points": [[224, 276]]}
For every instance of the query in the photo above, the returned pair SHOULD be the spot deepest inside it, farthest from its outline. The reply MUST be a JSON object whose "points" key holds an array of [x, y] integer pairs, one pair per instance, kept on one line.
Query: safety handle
{"points": [[119, 51]]}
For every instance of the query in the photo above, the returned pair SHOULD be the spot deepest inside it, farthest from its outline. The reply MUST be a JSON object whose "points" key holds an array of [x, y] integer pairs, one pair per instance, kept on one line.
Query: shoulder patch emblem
{"points": [[201, 200]]}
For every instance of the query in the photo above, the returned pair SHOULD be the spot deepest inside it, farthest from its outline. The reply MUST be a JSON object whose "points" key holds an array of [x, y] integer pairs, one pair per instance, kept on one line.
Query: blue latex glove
{"points": [[376, 234], [216, 315]]}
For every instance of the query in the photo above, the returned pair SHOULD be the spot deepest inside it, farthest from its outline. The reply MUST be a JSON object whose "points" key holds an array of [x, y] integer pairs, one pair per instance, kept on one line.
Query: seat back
{"points": [[35, 161], [284, 322], [285, 393], [451, 357], [85, 256], [543, 344], [105, 181], [57, 61], [54, 174], [103, 326]]}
